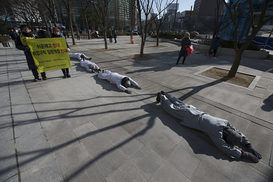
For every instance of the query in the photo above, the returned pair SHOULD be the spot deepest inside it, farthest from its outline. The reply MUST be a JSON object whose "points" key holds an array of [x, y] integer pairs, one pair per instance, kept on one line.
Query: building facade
{"points": [[244, 21]]}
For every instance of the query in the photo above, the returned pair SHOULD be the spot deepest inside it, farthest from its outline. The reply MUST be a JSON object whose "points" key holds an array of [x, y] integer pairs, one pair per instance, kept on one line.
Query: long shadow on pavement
{"points": [[42, 152]]}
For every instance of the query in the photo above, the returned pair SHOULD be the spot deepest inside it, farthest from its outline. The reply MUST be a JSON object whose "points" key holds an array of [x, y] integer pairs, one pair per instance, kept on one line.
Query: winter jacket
{"points": [[21, 44], [196, 119], [215, 43], [114, 34], [115, 78], [186, 42], [13, 35]]}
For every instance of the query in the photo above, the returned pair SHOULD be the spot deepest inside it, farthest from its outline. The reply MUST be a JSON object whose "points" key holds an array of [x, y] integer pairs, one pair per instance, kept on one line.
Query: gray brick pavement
{"points": [[85, 129]]}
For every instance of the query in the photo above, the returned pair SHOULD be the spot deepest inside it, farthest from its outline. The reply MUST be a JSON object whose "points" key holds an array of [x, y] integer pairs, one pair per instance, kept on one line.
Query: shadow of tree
{"points": [[42, 152]]}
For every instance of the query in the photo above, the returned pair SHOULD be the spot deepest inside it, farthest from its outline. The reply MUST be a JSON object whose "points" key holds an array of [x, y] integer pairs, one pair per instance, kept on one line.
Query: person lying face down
{"points": [[78, 56], [122, 82], [221, 132], [88, 65]]}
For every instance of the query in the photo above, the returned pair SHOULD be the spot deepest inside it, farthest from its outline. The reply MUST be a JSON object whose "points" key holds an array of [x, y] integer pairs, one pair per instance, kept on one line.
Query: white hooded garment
{"points": [[77, 55], [115, 78], [86, 64]]}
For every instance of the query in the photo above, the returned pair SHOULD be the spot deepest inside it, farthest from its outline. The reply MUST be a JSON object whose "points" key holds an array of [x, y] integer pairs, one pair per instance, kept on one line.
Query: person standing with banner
{"points": [[21, 44], [56, 33]]}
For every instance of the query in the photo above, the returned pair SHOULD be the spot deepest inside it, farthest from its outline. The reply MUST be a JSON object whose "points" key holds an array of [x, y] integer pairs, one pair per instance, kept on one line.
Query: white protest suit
{"points": [[115, 78], [196, 119], [87, 64], [77, 55]]}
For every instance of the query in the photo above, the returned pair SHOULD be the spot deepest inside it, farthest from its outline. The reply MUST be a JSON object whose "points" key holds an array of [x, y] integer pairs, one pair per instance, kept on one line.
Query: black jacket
{"points": [[20, 46], [186, 42], [13, 35]]}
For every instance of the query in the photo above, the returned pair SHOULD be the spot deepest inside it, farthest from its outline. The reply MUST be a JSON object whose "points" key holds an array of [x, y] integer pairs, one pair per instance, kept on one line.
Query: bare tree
{"points": [[84, 11], [6, 10], [51, 9], [67, 4], [162, 16], [145, 7], [26, 11], [102, 10], [174, 20], [262, 20], [219, 20]]}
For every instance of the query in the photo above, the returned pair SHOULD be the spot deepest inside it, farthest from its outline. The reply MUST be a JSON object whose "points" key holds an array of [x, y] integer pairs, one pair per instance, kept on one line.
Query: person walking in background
{"points": [[215, 44], [56, 33], [21, 44], [115, 35], [110, 35], [186, 42]]}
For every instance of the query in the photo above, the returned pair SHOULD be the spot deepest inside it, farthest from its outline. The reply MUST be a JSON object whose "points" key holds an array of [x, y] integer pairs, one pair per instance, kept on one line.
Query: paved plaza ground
{"points": [[85, 129]]}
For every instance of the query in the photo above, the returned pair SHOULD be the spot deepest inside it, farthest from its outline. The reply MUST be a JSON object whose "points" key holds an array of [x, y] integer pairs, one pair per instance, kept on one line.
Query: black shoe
{"points": [[68, 75], [44, 78], [65, 76], [158, 97]]}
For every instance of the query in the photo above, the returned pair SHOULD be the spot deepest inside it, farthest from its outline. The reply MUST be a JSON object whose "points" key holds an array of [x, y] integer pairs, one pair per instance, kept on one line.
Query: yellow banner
{"points": [[49, 53]]}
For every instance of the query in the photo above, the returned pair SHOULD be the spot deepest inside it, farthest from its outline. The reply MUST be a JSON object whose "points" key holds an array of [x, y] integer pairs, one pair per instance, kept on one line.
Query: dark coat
{"points": [[20, 46], [114, 34], [186, 42], [215, 43], [110, 33], [13, 35]]}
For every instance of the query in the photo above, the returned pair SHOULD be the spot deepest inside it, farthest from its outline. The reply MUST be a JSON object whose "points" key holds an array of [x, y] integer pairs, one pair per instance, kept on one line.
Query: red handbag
{"points": [[190, 50]]}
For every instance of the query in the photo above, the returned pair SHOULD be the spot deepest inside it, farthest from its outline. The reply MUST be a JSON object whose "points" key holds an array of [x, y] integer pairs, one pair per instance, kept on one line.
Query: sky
{"points": [[183, 4]]}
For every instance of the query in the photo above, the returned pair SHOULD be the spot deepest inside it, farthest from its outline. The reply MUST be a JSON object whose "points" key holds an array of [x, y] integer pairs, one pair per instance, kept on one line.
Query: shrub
{"points": [[4, 39], [172, 35], [230, 44]]}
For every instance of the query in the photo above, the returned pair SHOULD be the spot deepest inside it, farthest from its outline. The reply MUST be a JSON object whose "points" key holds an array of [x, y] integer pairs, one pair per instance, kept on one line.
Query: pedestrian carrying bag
{"points": [[190, 50]]}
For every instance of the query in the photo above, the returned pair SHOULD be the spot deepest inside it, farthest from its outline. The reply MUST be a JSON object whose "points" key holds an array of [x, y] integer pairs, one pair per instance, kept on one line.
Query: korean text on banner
{"points": [[49, 53]]}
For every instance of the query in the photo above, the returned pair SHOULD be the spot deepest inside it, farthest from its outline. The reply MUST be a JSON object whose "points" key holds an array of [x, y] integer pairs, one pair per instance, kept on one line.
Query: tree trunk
{"points": [[47, 28], [239, 53], [236, 64], [142, 48], [157, 38], [87, 26], [105, 36], [71, 27], [77, 33]]}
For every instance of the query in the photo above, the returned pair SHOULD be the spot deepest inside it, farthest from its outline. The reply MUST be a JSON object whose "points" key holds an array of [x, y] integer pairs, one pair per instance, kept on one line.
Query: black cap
{"points": [[231, 136]]}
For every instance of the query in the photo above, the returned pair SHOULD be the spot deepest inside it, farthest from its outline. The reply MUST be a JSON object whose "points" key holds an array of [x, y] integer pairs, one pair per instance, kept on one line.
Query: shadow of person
{"points": [[268, 104], [78, 67]]}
